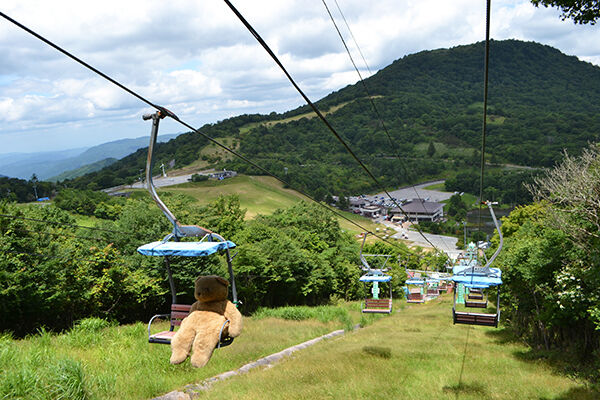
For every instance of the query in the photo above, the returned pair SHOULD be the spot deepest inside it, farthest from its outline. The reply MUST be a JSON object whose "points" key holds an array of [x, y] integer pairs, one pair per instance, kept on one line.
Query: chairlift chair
{"points": [[375, 276], [475, 298], [415, 293], [209, 243], [479, 278]]}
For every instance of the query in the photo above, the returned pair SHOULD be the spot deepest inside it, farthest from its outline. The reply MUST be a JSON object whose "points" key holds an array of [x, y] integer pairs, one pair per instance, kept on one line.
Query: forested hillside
{"points": [[540, 102], [55, 271]]}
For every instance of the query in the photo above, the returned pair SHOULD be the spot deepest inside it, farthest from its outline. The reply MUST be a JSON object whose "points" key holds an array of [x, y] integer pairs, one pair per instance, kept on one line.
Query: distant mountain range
{"points": [[56, 165]]}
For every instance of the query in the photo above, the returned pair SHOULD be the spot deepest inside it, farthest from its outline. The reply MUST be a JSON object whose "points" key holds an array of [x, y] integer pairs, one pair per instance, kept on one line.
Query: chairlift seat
{"points": [[178, 313], [476, 304], [475, 318], [186, 249], [383, 306], [475, 296], [415, 298]]}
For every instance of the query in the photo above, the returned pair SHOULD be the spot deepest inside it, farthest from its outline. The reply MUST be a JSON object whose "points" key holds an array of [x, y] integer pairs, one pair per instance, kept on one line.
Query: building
{"points": [[419, 210], [356, 203], [223, 174], [371, 211]]}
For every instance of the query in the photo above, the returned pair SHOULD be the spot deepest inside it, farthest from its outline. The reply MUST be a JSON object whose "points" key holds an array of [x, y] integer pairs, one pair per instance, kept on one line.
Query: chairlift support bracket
{"points": [[365, 265]]}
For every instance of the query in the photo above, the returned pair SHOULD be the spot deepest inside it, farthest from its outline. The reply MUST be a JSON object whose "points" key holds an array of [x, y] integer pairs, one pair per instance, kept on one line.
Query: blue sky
{"points": [[196, 58]]}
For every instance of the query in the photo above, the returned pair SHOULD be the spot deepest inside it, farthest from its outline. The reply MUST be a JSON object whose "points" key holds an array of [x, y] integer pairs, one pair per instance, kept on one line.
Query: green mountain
{"points": [[86, 169], [48, 165], [540, 102]]}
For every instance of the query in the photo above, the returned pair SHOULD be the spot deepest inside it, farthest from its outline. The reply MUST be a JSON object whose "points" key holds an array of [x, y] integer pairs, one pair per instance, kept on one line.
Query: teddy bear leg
{"points": [[204, 345], [182, 343]]}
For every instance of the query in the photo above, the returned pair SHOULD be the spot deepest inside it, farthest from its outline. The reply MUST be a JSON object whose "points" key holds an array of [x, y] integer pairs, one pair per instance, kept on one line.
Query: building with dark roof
{"points": [[419, 210]]}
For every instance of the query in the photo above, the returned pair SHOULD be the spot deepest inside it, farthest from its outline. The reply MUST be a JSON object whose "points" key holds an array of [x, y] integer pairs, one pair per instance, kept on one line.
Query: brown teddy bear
{"points": [[199, 331]]}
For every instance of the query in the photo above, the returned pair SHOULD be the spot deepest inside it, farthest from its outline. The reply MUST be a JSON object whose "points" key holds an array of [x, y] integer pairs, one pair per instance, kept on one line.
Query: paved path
{"points": [[161, 182], [447, 244]]}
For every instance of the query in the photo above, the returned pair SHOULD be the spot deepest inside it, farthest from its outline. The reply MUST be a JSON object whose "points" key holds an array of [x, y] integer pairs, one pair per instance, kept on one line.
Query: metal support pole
{"points": [[498, 306], [231, 277], [171, 282], [454, 304]]}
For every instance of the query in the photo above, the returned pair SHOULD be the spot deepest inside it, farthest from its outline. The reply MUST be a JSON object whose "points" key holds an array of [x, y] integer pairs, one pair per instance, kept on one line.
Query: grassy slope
{"points": [[427, 358], [258, 195], [430, 358], [118, 363]]}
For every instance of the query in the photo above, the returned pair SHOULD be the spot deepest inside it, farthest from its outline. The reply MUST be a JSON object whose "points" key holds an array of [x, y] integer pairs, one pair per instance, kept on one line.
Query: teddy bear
{"points": [[199, 331]]}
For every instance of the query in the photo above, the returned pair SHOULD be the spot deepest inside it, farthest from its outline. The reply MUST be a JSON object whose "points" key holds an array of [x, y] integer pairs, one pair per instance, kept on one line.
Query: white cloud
{"points": [[197, 59]]}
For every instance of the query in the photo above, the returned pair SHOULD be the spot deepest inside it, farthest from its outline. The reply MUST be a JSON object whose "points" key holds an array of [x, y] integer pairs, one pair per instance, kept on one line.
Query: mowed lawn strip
{"points": [[430, 358]]}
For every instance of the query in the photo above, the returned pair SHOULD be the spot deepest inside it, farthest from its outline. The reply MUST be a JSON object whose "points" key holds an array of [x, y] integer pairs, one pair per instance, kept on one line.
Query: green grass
{"points": [[324, 314], [86, 220], [470, 200], [246, 128], [442, 149], [438, 186], [98, 361], [415, 353], [258, 194]]}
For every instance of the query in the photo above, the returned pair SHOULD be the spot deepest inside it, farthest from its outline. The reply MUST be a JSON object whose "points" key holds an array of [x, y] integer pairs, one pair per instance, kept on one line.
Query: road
{"points": [[447, 244], [161, 182]]}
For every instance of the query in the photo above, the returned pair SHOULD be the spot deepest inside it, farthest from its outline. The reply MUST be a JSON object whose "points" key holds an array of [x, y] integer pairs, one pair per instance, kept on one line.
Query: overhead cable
{"points": [[393, 145], [61, 223], [170, 114], [485, 101], [316, 110]]}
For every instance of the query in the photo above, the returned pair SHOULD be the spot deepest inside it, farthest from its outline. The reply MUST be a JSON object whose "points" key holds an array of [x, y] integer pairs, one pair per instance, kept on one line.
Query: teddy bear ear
{"points": [[223, 281]]}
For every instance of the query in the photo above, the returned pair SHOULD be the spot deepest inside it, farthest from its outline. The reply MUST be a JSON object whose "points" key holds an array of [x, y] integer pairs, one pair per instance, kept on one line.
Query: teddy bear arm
{"points": [[235, 319]]}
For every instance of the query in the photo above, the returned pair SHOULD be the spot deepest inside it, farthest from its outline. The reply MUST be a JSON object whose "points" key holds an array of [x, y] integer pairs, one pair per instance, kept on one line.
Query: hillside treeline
{"points": [[22, 191], [504, 186], [53, 273], [551, 260], [540, 102]]}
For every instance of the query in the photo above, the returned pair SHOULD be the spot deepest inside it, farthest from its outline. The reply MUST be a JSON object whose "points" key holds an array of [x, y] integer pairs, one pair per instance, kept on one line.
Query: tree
{"points": [[430, 150], [580, 11], [343, 203], [572, 189], [457, 207]]}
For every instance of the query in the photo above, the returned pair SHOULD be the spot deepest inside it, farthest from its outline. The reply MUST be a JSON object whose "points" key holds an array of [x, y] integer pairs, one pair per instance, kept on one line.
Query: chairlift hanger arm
{"points": [[491, 260], [179, 230]]}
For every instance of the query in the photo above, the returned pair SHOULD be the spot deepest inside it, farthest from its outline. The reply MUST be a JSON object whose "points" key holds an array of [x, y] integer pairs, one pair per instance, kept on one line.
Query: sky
{"points": [[197, 59]]}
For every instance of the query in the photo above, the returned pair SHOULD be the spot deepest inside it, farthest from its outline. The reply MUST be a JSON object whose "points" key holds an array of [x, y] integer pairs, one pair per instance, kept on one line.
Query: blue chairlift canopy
{"points": [[375, 278], [476, 286], [186, 249], [415, 281], [494, 279]]}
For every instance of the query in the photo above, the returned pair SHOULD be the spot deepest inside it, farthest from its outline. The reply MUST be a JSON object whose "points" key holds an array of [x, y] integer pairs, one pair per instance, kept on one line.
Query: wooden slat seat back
{"points": [[415, 298], [475, 319], [475, 296], [476, 304], [178, 313], [378, 306], [432, 292]]}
